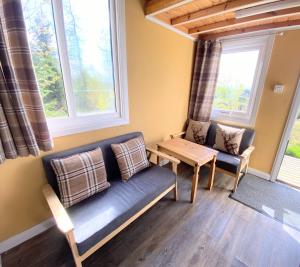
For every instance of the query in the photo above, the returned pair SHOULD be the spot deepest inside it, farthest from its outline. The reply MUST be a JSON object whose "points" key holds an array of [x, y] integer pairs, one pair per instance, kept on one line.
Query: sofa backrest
{"points": [[110, 161], [247, 139]]}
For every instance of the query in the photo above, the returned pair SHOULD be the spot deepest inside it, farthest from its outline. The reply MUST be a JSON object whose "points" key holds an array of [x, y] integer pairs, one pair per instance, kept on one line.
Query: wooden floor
{"points": [[215, 231], [290, 171]]}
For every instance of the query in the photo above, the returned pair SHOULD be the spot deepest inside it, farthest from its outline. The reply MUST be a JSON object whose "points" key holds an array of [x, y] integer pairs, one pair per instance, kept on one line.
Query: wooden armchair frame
{"points": [[243, 166], [64, 223]]}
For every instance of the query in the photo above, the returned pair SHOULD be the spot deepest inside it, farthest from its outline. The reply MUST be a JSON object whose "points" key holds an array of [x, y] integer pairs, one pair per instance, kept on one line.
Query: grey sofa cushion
{"points": [[110, 161], [227, 162], [97, 216], [247, 138]]}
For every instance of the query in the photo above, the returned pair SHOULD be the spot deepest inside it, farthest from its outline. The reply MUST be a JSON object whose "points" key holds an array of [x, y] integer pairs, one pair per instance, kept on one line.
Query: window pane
{"points": [[41, 34], [87, 28], [235, 80]]}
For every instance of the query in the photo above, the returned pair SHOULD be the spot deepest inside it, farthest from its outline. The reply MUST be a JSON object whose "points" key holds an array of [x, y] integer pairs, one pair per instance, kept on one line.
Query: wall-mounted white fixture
{"points": [[251, 11], [278, 88]]}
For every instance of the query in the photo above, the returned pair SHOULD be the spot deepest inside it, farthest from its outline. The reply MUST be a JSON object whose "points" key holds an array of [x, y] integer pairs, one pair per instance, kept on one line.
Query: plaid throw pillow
{"points": [[131, 157], [197, 131], [80, 176], [228, 139]]}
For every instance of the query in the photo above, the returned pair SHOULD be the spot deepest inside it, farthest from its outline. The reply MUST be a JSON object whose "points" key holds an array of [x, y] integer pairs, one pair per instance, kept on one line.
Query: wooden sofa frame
{"points": [[65, 224], [244, 163]]}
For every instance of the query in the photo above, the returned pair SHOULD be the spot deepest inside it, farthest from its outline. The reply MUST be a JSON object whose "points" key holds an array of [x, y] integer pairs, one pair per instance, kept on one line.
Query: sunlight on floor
{"points": [[292, 233], [268, 210], [290, 216]]}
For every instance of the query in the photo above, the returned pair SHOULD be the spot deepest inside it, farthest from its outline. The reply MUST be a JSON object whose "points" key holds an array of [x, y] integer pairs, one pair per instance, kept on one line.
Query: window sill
{"points": [[67, 126], [231, 119]]}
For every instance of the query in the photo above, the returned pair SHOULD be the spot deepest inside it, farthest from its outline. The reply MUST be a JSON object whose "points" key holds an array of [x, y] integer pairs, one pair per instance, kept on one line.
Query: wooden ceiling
{"points": [[210, 19]]}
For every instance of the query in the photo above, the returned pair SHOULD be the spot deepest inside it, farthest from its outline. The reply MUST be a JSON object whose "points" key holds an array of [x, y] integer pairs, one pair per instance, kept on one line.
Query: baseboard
{"points": [[260, 174], [26, 235]]}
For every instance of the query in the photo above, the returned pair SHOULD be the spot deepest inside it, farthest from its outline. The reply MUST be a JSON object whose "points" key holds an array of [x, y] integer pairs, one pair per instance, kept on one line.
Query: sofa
{"points": [[232, 165], [91, 223]]}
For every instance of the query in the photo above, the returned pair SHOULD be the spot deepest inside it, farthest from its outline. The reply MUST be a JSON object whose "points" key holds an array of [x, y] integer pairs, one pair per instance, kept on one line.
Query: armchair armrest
{"points": [[163, 155], [60, 215], [246, 154], [177, 135]]}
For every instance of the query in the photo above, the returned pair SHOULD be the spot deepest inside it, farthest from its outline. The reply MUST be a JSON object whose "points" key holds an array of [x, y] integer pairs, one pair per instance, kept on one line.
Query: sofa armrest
{"points": [[163, 155], [177, 135], [246, 154], [60, 215]]}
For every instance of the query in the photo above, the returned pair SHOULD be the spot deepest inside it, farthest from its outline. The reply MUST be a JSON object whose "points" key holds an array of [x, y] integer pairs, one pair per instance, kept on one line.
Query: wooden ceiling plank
{"points": [[238, 22], [218, 10], [154, 7], [258, 28]]}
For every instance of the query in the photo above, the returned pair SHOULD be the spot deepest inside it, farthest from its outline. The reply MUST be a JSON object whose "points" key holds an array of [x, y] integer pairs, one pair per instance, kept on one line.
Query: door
{"points": [[287, 163], [289, 171]]}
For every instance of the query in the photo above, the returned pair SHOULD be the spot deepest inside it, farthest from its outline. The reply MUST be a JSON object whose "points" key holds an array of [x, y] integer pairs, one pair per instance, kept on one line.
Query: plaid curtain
{"points": [[204, 79], [23, 127]]}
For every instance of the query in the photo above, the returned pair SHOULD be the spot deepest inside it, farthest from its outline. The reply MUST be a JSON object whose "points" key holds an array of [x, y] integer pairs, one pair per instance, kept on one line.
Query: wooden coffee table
{"points": [[193, 154]]}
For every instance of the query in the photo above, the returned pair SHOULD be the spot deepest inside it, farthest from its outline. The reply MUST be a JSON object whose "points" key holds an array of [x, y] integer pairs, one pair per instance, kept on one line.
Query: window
{"points": [[79, 56], [241, 77]]}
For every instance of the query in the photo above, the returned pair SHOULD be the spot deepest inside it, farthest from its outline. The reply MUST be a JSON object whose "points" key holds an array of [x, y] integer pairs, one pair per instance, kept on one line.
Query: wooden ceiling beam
{"points": [[258, 28], [154, 7], [229, 6], [222, 25]]}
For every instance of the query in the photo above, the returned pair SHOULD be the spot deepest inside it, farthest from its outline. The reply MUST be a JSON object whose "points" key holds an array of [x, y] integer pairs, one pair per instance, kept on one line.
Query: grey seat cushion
{"points": [[227, 162], [96, 217]]}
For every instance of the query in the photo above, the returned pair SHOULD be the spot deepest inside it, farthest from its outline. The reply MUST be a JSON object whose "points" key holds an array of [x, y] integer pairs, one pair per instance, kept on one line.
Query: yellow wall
{"points": [[284, 69], [159, 74]]}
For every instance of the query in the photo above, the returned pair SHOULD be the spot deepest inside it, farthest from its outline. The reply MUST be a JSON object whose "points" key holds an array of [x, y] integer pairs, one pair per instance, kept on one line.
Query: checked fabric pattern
{"points": [[228, 139], [23, 125], [131, 157], [206, 68], [80, 176]]}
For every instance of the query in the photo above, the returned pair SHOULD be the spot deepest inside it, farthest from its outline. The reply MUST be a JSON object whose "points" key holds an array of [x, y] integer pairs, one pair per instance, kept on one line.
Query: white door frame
{"points": [[286, 133]]}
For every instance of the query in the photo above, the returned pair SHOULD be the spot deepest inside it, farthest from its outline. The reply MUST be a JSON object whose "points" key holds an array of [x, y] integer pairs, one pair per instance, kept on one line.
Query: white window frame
{"points": [[264, 44], [76, 124]]}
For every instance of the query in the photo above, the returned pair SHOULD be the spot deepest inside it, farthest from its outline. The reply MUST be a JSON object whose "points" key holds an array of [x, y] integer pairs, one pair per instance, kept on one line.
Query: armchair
{"points": [[231, 165]]}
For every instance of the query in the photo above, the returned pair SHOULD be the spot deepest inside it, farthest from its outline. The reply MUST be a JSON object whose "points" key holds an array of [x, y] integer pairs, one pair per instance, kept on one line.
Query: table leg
{"points": [[158, 160], [174, 169], [195, 183], [212, 173], [157, 157], [175, 192]]}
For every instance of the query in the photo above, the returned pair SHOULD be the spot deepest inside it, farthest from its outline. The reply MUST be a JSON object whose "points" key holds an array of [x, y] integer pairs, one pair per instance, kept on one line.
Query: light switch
{"points": [[278, 88]]}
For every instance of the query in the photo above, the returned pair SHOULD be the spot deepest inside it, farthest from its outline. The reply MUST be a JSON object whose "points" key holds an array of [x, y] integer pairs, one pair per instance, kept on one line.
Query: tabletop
{"points": [[190, 150]]}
